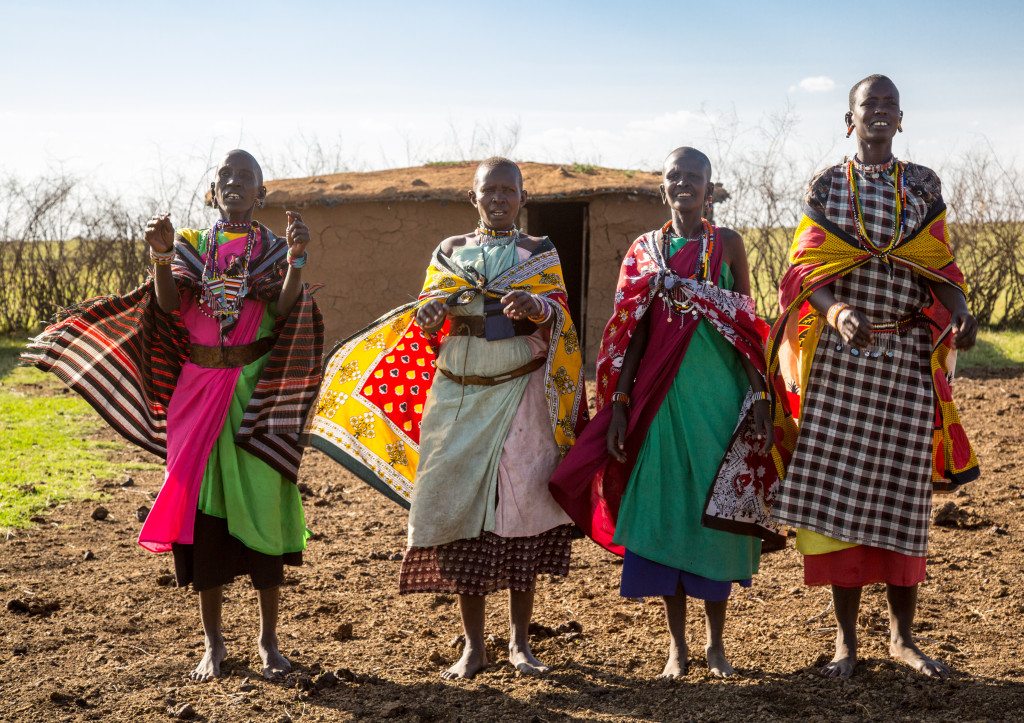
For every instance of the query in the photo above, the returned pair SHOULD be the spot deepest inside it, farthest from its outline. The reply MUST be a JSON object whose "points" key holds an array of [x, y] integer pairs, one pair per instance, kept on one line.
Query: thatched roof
{"points": [[451, 181]]}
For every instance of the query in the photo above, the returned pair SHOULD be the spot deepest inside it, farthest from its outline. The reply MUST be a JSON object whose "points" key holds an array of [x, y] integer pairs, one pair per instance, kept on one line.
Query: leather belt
{"points": [[470, 380], [474, 326], [227, 357]]}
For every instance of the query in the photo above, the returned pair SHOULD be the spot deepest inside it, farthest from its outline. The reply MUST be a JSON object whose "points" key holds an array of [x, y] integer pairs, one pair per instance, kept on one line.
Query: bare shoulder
{"points": [[454, 242], [732, 244], [533, 243]]}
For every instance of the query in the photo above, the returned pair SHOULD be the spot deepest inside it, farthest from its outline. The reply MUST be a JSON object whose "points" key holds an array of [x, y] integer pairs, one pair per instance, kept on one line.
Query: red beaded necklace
{"points": [[223, 294], [708, 236]]}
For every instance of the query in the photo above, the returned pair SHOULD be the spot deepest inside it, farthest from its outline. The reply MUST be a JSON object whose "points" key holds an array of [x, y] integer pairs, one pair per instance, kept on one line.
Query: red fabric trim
{"points": [[862, 565]]}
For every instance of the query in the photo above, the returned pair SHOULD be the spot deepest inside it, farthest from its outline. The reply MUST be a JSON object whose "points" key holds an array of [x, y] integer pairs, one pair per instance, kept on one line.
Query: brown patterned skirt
{"points": [[486, 564]]}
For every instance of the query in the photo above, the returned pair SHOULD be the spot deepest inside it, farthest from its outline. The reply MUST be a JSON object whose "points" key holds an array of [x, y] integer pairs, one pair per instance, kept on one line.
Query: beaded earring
{"points": [[849, 130], [899, 126]]}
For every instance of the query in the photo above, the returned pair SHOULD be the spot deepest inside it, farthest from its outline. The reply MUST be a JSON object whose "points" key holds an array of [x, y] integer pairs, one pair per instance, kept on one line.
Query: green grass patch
{"points": [[587, 168], [47, 451], [447, 164], [995, 350]]}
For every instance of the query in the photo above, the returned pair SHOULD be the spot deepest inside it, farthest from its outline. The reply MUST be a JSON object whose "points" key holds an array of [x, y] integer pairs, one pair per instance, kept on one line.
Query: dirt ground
{"points": [[93, 628]]}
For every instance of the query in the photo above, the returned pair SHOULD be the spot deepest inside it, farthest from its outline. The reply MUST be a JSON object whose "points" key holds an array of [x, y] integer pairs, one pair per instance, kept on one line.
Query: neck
{"points": [[236, 216], [503, 228], [872, 153], [687, 224]]}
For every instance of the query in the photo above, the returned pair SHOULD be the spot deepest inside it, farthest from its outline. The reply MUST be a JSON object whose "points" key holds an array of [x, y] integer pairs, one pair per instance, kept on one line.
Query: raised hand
{"points": [[431, 315], [296, 234], [160, 233]]}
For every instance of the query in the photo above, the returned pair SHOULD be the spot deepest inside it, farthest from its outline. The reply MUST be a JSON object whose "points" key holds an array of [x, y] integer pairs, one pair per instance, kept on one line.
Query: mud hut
{"points": [[373, 232]]}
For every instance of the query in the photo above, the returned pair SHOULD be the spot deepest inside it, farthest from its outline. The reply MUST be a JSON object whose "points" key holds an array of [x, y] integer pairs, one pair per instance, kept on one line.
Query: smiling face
{"points": [[239, 185], [686, 181], [875, 111], [498, 195]]}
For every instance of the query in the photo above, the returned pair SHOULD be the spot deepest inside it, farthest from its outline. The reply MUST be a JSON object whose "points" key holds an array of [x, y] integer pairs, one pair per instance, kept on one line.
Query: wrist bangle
{"points": [[620, 397], [161, 258], [545, 313], [759, 396], [832, 315], [297, 262]]}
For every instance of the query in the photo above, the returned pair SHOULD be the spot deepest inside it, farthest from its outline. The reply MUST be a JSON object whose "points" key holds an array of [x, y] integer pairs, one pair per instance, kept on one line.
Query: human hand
{"points": [[296, 234], [965, 329], [854, 328], [522, 304], [764, 429], [160, 233], [431, 315], [615, 440]]}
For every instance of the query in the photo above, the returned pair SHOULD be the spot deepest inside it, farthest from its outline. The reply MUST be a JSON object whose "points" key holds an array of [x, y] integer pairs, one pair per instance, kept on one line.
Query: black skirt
{"points": [[216, 558]]}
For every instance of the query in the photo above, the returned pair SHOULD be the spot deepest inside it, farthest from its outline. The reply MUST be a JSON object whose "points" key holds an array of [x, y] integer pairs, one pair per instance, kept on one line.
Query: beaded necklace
{"points": [[223, 293], [512, 233], [708, 236], [899, 217]]}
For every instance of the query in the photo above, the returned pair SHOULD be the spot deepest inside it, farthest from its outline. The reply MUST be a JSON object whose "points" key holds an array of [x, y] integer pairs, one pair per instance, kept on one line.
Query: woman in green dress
{"points": [[681, 362]]}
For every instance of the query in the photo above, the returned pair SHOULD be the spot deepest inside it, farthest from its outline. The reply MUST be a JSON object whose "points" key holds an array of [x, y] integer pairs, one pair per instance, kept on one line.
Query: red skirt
{"points": [[862, 565]]}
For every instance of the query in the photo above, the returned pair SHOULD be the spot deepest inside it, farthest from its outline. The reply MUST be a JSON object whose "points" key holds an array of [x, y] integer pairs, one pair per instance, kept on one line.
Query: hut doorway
{"points": [[566, 224]]}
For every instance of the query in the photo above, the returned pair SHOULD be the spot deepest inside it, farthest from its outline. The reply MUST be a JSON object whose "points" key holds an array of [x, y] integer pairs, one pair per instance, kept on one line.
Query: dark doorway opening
{"points": [[566, 225]]}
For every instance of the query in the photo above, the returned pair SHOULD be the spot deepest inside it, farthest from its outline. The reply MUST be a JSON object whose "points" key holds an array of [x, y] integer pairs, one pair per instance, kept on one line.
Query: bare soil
{"points": [[94, 628]]}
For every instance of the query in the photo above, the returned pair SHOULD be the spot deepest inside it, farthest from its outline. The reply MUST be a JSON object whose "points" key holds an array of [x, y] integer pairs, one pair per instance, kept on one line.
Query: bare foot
{"points": [[523, 660], [717, 662], [471, 663], [841, 666], [910, 654], [274, 664], [677, 665], [209, 666]]}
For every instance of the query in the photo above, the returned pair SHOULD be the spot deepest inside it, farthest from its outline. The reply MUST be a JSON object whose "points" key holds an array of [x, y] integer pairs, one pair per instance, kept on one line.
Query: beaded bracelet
{"points": [[161, 258], [620, 397], [832, 315], [546, 305], [759, 396], [297, 262]]}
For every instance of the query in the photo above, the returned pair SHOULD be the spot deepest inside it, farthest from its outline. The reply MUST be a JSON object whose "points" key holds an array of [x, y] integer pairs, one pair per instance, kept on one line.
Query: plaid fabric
{"points": [[861, 469], [487, 563], [123, 355], [829, 192]]}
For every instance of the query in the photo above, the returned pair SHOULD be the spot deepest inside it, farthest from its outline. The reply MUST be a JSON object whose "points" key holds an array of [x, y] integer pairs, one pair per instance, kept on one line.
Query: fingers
{"points": [[965, 331], [293, 216]]}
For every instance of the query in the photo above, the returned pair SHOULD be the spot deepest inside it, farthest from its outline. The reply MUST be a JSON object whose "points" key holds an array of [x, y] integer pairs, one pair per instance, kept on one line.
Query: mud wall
{"points": [[371, 257], [615, 222]]}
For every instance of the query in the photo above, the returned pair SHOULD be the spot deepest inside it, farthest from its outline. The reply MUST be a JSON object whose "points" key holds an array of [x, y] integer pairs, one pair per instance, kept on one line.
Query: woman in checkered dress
{"points": [[858, 487]]}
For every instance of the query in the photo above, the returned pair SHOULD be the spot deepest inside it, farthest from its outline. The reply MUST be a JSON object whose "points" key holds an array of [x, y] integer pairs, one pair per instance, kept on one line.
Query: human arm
{"points": [[965, 326], [615, 439], [297, 237], [160, 237], [852, 325]]}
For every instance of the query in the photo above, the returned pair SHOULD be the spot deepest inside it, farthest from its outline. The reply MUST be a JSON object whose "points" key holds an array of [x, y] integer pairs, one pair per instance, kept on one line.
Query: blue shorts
{"points": [[645, 578]]}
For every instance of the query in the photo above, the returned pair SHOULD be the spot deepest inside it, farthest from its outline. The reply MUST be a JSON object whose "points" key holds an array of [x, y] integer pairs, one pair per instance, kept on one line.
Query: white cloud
{"points": [[814, 84]]}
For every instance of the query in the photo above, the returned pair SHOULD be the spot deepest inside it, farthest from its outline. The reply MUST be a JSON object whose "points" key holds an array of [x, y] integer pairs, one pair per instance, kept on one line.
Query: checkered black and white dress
{"points": [[861, 470]]}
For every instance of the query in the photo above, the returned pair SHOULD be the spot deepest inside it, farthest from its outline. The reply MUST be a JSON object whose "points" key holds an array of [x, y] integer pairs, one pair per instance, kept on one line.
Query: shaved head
{"points": [[864, 81], [692, 153], [239, 154], [493, 162]]}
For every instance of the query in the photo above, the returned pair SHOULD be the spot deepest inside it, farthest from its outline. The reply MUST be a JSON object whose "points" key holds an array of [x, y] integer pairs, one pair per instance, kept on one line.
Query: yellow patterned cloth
{"points": [[367, 416]]}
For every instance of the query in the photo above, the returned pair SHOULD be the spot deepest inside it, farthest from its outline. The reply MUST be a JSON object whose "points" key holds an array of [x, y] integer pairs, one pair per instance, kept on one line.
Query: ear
{"points": [[663, 194], [848, 117], [472, 196], [523, 197]]}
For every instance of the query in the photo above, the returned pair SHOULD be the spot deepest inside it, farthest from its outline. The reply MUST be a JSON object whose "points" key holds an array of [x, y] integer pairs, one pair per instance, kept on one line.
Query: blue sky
{"points": [[121, 92]]}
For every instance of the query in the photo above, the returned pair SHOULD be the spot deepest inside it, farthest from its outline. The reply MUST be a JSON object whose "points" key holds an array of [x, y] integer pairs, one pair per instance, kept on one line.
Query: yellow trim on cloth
{"points": [[809, 542], [383, 441]]}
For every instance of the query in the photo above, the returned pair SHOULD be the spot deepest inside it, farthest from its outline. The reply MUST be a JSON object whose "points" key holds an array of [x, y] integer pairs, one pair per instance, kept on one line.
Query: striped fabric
{"points": [[123, 355]]}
